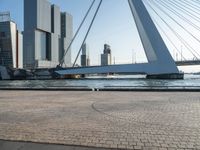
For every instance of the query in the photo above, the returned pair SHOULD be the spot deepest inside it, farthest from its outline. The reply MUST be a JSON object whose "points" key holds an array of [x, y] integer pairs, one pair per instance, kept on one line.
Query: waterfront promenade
{"points": [[123, 120]]}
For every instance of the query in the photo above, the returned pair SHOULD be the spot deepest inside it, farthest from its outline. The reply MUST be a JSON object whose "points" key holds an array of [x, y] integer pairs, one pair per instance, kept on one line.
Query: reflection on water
{"points": [[100, 82]]}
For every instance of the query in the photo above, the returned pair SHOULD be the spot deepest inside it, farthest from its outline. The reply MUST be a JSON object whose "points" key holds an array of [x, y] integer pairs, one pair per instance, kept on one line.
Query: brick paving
{"points": [[123, 120], [13, 145]]}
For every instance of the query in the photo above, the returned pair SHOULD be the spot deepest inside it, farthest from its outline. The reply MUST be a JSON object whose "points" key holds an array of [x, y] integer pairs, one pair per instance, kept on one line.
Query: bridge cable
{"points": [[178, 24], [195, 1], [177, 35], [184, 42], [80, 26], [181, 4], [191, 25], [183, 18], [94, 17], [166, 5], [168, 38], [192, 5], [192, 15]]}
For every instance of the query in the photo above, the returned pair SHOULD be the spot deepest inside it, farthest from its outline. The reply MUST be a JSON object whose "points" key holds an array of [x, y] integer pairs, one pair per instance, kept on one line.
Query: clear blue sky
{"points": [[113, 22], [114, 25]]}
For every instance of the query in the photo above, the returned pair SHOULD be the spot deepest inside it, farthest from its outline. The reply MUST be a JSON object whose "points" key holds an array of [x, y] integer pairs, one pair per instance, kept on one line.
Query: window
{"points": [[2, 34]]}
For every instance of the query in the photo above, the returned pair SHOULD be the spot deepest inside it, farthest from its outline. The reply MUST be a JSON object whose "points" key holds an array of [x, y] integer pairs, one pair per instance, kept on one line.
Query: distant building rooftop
{"points": [[5, 16]]}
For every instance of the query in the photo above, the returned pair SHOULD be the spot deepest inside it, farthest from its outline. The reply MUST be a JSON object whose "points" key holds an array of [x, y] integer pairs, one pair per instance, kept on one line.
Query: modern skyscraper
{"points": [[11, 45], [43, 30], [66, 37], [106, 56], [85, 61]]}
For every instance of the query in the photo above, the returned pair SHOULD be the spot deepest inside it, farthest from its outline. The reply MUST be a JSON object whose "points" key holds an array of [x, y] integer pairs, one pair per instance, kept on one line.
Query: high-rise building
{"points": [[106, 56], [66, 37], [85, 60], [43, 34], [11, 45]]}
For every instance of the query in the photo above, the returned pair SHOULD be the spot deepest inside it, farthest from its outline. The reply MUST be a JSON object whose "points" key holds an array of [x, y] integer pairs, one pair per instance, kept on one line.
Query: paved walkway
{"points": [[124, 120], [9, 145]]}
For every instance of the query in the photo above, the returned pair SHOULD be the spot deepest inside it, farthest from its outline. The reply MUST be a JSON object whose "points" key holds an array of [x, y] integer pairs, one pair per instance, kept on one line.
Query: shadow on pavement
{"points": [[10, 145]]}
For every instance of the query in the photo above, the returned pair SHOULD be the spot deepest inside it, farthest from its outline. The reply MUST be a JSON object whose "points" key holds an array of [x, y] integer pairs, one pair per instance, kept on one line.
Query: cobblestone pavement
{"points": [[124, 120], [13, 145]]}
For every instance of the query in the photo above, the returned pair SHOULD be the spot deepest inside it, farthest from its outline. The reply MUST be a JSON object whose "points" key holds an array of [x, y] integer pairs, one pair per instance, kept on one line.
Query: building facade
{"points": [[85, 60], [43, 30], [11, 45], [106, 56], [66, 37]]}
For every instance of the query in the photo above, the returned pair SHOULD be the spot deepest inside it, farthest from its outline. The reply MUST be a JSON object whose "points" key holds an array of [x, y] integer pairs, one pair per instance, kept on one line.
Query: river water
{"points": [[190, 80]]}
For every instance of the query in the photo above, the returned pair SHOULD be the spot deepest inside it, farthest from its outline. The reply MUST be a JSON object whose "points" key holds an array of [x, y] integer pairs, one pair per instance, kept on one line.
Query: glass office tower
{"points": [[11, 44]]}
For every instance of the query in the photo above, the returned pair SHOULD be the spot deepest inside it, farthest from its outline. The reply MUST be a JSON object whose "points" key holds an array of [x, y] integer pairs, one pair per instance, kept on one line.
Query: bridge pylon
{"points": [[160, 62]]}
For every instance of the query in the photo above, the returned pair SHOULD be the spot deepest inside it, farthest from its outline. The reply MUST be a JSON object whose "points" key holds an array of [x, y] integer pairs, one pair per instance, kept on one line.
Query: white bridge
{"points": [[160, 62]]}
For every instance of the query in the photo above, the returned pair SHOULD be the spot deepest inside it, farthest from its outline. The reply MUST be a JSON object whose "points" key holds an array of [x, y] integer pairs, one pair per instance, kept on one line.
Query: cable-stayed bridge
{"points": [[188, 13], [188, 62], [150, 16]]}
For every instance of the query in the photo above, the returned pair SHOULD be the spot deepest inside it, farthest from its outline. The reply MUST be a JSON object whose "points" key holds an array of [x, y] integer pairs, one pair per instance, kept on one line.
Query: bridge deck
{"points": [[188, 62]]}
